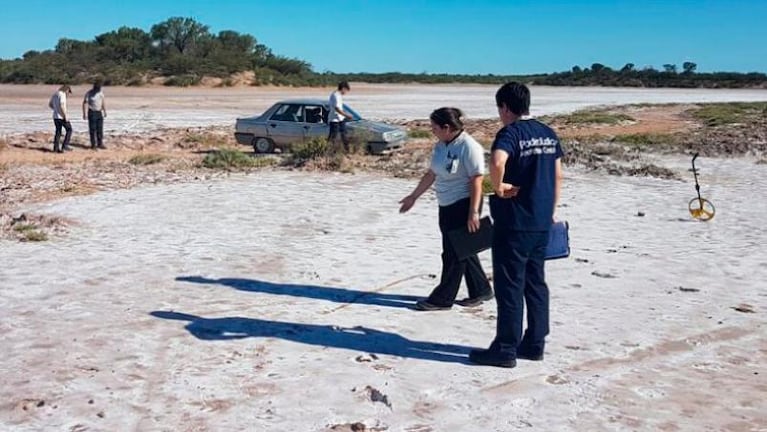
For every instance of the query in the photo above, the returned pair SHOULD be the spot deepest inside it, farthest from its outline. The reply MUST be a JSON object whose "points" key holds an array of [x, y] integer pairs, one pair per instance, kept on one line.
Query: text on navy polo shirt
{"points": [[533, 149]]}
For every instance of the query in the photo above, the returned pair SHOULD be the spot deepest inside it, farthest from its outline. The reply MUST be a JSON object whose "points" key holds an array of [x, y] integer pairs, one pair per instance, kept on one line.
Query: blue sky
{"points": [[451, 36]]}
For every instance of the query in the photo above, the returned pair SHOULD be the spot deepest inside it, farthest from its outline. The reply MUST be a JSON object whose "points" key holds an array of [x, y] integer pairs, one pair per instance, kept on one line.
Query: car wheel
{"points": [[263, 145]]}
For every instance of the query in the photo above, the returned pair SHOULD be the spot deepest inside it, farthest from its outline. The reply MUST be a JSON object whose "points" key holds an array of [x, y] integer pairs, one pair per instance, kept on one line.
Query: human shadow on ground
{"points": [[337, 295], [358, 338]]}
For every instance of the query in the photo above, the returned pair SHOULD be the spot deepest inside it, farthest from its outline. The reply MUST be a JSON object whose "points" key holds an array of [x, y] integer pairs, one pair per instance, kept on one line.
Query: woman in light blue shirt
{"points": [[456, 171]]}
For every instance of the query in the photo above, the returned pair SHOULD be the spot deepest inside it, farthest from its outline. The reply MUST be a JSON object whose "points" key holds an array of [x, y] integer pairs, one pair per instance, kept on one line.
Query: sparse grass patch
{"points": [[644, 139], [146, 159], [729, 113], [419, 133], [229, 160], [29, 232], [34, 236], [203, 140], [589, 117]]}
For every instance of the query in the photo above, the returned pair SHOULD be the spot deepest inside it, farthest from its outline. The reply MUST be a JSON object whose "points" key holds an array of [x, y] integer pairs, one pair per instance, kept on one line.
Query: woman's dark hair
{"points": [[516, 97], [97, 86], [447, 116], [343, 85]]}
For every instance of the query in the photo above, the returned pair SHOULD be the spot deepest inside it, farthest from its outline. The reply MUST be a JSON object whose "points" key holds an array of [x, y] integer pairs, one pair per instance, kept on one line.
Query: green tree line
{"points": [[181, 51], [670, 76]]}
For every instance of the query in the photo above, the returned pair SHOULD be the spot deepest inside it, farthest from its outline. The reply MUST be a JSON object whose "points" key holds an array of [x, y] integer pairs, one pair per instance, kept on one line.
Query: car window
{"points": [[313, 114], [289, 112]]}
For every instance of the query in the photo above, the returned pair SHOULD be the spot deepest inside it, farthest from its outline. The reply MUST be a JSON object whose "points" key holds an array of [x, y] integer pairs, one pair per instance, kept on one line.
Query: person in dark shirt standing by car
{"points": [[95, 110], [526, 173]]}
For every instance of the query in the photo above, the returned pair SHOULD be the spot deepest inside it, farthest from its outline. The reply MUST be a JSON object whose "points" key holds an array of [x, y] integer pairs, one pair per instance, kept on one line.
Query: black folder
{"points": [[466, 244]]}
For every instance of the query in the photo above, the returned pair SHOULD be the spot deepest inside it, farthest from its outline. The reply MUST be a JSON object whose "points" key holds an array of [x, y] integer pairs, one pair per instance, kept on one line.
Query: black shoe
{"points": [[67, 148], [528, 351], [491, 357], [529, 355], [474, 301], [424, 305], [102, 147]]}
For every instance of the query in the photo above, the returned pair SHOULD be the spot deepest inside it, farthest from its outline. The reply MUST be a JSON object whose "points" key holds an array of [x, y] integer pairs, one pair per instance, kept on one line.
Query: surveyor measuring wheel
{"points": [[700, 208]]}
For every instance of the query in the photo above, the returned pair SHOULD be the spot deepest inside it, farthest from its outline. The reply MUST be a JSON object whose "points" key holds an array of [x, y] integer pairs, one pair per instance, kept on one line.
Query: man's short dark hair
{"points": [[515, 96], [343, 85]]}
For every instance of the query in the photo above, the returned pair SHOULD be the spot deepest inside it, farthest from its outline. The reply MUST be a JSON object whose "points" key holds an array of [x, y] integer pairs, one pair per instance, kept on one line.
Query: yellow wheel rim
{"points": [[701, 209]]}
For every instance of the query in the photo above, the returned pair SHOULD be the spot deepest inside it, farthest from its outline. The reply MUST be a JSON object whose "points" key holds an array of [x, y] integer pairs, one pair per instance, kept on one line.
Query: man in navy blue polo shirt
{"points": [[526, 173]]}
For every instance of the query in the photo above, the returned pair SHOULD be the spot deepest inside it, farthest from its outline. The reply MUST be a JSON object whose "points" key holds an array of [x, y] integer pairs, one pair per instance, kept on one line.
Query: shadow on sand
{"points": [[337, 295], [361, 339]]}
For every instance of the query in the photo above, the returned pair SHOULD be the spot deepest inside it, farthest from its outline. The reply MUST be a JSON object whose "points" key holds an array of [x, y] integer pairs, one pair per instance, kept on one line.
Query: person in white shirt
{"points": [[337, 116], [58, 103], [456, 171], [95, 111]]}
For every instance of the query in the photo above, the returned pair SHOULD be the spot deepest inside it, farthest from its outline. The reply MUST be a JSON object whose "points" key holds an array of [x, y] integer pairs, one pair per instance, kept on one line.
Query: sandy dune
{"points": [[266, 302]]}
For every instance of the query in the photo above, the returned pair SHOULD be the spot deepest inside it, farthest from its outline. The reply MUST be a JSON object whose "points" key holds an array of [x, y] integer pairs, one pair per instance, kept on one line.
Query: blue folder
{"points": [[559, 241]]}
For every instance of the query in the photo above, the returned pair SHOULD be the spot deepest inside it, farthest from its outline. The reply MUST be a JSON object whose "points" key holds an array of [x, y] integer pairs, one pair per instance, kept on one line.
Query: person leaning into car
{"points": [[456, 171], [338, 116]]}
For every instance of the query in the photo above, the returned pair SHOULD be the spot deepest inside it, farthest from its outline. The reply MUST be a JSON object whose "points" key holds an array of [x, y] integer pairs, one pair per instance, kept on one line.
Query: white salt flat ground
{"points": [[271, 301], [134, 110]]}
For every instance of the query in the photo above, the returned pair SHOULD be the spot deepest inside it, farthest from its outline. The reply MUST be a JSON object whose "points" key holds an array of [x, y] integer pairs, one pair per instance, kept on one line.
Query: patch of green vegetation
{"points": [[30, 232], [146, 159], [229, 160], [202, 139], [589, 117], [645, 139], [23, 227], [487, 185], [419, 133], [312, 149], [729, 113]]}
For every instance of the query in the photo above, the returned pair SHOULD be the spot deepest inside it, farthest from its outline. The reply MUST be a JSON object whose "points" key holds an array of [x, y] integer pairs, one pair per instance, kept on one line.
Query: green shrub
{"points": [[226, 159], [29, 232], [146, 159], [591, 117], [419, 133], [642, 139], [729, 113], [312, 149], [34, 236]]}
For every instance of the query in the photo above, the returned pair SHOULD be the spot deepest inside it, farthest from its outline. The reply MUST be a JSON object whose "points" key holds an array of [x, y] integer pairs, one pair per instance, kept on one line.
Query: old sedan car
{"points": [[297, 120]]}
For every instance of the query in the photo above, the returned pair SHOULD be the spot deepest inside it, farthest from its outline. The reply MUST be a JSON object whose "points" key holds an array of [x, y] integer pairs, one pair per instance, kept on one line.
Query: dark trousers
{"points": [[518, 276], [452, 217], [337, 128], [59, 123], [96, 128]]}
